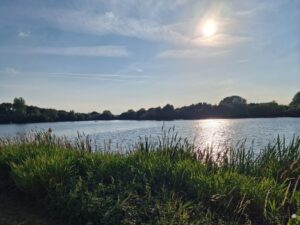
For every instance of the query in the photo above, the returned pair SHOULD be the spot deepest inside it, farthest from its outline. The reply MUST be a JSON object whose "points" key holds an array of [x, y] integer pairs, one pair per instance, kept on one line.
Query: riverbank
{"points": [[169, 182]]}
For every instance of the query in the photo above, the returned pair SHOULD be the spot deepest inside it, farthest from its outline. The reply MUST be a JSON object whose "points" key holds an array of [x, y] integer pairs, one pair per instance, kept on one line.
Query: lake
{"points": [[209, 132]]}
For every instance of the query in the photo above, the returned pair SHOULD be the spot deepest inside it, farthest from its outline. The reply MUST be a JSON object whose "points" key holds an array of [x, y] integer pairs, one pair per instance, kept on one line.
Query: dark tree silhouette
{"points": [[140, 114], [19, 106], [107, 115], [296, 99], [129, 115], [229, 107], [167, 112], [234, 106], [233, 100]]}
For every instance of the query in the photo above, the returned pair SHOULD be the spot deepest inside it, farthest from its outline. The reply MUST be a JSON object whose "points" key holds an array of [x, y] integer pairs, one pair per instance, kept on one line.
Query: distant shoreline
{"points": [[233, 107], [71, 121]]}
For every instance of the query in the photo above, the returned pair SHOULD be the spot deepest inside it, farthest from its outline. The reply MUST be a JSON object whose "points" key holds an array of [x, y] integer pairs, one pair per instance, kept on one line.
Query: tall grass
{"points": [[162, 181]]}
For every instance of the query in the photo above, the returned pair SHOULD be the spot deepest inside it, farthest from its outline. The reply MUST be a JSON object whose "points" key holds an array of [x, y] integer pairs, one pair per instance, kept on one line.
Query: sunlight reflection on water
{"points": [[209, 132]]}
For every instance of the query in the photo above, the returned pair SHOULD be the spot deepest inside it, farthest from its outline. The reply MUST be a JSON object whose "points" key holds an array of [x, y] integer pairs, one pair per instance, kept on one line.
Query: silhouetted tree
{"points": [[107, 115], [296, 99], [234, 106], [167, 112], [19, 106], [229, 107], [129, 115], [94, 115], [233, 100], [269, 109], [6, 108], [140, 114]]}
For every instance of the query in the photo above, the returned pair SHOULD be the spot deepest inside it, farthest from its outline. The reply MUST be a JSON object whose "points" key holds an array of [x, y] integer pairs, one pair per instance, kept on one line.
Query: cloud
{"points": [[220, 40], [190, 53], [250, 10], [150, 9], [90, 76], [139, 70], [168, 21], [23, 34], [92, 51], [110, 23], [241, 61], [10, 71], [176, 32]]}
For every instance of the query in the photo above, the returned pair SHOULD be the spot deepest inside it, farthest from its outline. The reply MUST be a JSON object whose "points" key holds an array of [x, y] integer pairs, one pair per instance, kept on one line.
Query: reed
{"points": [[165, 180]]}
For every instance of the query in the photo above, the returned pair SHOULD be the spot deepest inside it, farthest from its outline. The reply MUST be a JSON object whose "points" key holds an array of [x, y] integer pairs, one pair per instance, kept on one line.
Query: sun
{"points": [[209, 28]]}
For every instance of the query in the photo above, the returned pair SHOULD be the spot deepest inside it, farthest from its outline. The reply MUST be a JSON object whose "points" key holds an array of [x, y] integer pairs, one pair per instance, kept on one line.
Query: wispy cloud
{"points": [[9, 70], [220, 40], [110, 23], [139, 70], [120, 22], [261, 7], [93, 51], [241, 61], [191, 53], [23, 34], [159, 21], [93, 76]]}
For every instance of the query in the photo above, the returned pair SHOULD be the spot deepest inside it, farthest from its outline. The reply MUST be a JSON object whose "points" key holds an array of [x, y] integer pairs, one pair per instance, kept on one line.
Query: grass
{"points": [[15, 210], [165, 182]]}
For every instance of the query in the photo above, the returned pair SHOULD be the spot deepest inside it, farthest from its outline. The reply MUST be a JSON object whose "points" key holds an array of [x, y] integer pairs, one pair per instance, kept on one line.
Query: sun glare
{"points": [[209, 28]]}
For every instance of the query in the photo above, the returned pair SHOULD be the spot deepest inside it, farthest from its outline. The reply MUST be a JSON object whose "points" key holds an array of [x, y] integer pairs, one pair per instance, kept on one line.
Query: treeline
{"points": [[19, 112], [229, 107]]}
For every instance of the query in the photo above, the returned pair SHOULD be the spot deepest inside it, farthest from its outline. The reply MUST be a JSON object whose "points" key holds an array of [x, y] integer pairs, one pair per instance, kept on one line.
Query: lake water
{"points": [[212, 132]]}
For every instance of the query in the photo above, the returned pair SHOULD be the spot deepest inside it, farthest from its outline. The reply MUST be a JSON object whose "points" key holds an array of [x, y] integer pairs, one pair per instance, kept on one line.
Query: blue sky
{"points": [[126, 54]]}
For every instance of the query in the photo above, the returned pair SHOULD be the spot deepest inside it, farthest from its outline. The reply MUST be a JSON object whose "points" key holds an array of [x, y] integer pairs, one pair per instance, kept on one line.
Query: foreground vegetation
{"points": [[229, 107], [15, 210], [164, 182]]}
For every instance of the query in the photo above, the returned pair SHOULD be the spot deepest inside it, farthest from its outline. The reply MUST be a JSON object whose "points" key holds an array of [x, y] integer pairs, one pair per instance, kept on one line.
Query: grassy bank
{"points": [[170, 182], [18, 210]]}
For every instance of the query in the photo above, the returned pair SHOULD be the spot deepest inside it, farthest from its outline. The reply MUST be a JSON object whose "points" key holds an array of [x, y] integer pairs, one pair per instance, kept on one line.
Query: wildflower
{"points": [[294, 216]]}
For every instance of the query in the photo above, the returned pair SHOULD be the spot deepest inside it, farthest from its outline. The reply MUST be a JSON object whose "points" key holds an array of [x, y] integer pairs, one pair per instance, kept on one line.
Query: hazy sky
{"points": [[120, 54]]}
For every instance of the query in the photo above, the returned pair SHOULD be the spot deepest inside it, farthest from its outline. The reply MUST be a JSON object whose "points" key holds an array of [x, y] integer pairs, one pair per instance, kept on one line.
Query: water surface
{"points": [[123, 134]]}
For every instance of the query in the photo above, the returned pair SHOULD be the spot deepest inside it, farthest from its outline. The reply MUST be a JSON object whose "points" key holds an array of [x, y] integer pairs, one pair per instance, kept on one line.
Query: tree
{"points": [[141, 113], [296, 99], [72, 115], [94, 115], [129, 115], [6, 108], [106, 115], [268, 109], [19, 106], [233, 100], [167, 112], [234, 106]]}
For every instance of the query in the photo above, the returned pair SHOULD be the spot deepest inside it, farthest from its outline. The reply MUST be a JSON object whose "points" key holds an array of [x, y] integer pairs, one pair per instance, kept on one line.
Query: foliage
{"points": [[162, 182], [233, 100], [296, 99], [229, 107], [19, 106]]}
